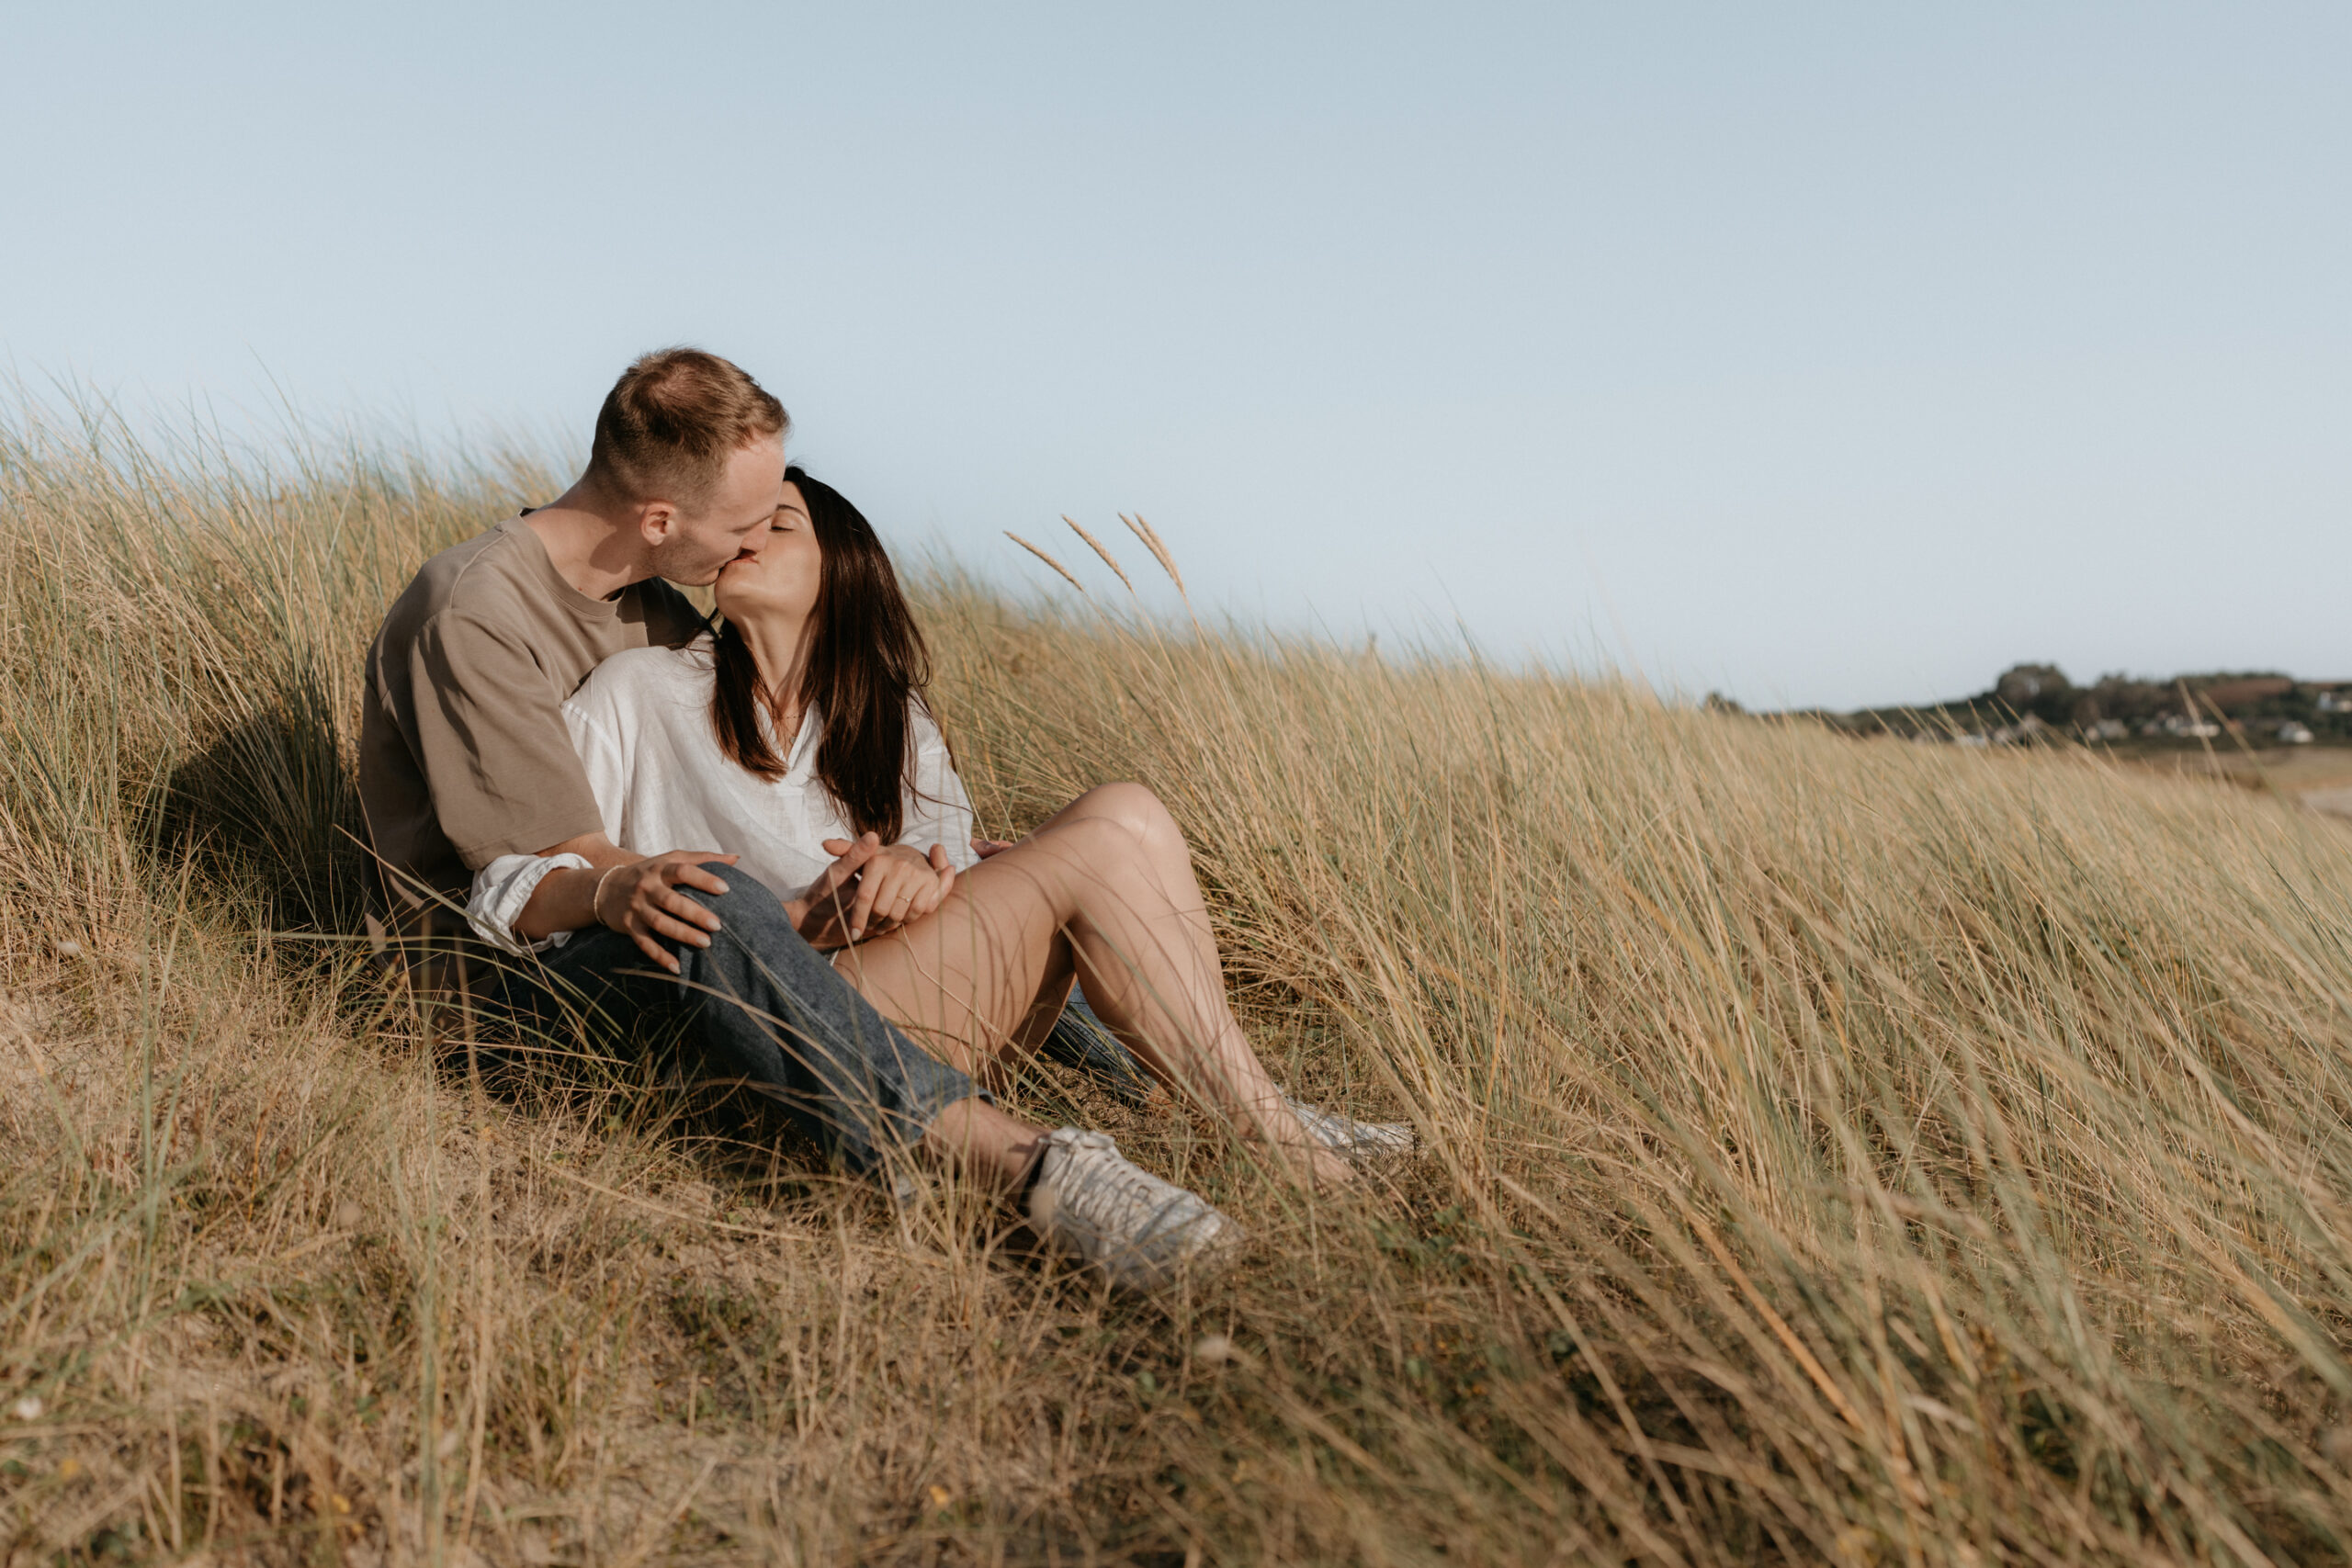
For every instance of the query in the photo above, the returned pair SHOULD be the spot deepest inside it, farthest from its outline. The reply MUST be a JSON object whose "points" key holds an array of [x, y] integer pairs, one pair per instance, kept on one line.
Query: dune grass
{"points": [[1838, 1152]]}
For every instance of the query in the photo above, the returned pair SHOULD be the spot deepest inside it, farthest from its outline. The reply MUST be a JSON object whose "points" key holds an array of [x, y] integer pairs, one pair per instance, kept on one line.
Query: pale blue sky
{"points": [[1819, 353]]}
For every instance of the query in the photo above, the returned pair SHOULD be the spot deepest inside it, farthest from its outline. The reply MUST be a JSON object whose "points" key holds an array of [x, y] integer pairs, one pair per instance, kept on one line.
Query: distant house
{"points": [[2106, 729], [2293, 734], [2336, 699]]}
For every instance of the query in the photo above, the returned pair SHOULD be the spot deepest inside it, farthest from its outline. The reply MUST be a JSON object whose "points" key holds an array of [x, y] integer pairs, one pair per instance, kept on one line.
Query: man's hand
{"points": [[641, 899]]}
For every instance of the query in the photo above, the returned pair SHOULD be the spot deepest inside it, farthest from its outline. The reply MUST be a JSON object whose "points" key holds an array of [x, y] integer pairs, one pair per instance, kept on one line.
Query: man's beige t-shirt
{"points": [[463, 754]]}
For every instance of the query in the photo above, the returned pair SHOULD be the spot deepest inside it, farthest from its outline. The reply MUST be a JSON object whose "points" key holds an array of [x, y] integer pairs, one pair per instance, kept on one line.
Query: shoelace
{"points": [[1334, 1131], [1115, 1185]]}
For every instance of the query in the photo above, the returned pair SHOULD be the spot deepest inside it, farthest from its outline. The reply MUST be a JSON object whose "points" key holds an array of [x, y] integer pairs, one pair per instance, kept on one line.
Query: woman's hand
{"points": [[986, 846], [896, 883], [821, 912]]}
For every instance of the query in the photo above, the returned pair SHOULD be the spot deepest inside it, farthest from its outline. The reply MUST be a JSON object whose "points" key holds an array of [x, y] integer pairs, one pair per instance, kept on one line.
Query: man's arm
{"points": [[635, 894], [640, 896]]}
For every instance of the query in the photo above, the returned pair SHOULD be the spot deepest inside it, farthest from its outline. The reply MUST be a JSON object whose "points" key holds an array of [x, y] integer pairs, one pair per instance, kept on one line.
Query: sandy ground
{"points": [[2335, 802], [2318, 776]]}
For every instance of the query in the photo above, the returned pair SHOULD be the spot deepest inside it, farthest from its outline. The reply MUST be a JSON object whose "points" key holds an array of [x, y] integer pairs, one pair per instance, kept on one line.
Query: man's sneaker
{"points": [[1359, 1140], [1090, 1204]]}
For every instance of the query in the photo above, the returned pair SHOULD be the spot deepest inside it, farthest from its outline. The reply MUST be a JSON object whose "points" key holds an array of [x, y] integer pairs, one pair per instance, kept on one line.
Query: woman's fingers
{"points": [[687, 872], [910, 885], [680, 907], [932, 891], [646, 891], [935, 886], [656, 911], [653, 899], [888, 887], [878, 880], [831, 880], [891, 888], [654, 951], [680, 918], [889, 897], [837, 893], [862, 908], [684, 935]]}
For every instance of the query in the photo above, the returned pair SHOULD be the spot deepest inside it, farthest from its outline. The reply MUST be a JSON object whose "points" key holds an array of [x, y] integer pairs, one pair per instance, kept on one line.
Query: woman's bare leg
{"points": [[1104, 890]]}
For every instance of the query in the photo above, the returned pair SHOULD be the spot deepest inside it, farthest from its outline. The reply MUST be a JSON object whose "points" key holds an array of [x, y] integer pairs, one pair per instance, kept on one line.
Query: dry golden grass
{"points": [[1841, 1152]]}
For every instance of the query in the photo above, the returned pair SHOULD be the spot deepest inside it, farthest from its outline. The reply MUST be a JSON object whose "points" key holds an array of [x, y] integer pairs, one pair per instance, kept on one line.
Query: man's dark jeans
{"points": [[762, 1010]]}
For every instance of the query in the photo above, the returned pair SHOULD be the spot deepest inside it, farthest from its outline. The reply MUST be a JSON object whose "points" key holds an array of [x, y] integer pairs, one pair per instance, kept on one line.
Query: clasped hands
{"points": [[870, 888]]}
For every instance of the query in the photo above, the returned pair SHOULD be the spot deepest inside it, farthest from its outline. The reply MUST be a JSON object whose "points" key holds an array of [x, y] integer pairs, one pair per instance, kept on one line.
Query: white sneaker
{"points": [[1090, 1204], [1359, 1140]]}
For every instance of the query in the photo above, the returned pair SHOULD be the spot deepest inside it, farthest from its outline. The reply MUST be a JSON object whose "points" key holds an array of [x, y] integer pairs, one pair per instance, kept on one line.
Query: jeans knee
{"points": [[747, 905]]}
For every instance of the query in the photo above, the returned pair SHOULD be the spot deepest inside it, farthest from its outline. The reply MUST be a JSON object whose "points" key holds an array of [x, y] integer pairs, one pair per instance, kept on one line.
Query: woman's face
{"points": [[777, 579]]}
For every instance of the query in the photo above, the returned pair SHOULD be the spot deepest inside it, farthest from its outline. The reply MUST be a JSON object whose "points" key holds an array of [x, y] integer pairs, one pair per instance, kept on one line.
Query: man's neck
{"points": [[595, 547]]}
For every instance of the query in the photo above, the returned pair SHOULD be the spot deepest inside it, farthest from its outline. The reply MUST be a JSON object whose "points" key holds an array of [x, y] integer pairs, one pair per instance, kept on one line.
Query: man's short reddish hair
{"points": [[671, 422]]}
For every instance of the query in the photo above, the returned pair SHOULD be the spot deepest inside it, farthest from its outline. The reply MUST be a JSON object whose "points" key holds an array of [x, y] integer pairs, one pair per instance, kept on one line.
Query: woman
{"points": [[798, 737]]}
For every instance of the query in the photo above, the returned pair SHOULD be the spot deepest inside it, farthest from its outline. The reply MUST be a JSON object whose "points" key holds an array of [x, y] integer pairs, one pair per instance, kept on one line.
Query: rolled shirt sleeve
{"points": [[500, 891]]}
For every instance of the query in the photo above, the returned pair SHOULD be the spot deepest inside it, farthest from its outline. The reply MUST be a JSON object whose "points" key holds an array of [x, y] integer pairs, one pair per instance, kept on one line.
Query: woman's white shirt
{"points": [[641, 725]]}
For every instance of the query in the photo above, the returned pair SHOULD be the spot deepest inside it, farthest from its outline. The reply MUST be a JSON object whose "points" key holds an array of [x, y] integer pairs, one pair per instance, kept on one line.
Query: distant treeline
{"points": [[2038, 701]]}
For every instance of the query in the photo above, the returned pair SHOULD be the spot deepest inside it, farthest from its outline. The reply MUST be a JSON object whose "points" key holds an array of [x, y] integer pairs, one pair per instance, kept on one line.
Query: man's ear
{"points": [[657, 521]]}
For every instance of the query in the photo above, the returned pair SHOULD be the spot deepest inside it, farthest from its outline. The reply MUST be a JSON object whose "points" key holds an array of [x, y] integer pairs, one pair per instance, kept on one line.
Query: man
{"points": [[465, 758]]}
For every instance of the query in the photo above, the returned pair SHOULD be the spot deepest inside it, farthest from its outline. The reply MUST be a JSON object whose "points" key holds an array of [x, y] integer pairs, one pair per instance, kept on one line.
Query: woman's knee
{"points": [[1134, 807]]}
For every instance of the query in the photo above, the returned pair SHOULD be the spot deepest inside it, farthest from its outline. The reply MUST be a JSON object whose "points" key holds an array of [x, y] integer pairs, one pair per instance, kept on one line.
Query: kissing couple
{"points": [[590, 802]]}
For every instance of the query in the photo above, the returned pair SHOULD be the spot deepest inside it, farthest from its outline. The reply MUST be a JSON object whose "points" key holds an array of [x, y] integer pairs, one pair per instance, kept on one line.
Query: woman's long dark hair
{"points": [[866, 665]]}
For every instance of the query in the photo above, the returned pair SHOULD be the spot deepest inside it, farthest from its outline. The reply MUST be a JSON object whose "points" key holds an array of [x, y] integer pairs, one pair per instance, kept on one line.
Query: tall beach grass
{"points": [[1838, 1152]]}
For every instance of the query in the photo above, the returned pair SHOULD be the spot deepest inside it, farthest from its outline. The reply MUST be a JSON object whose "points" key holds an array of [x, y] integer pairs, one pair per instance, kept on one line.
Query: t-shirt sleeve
{"points": [[488, 730], [936, 809]]}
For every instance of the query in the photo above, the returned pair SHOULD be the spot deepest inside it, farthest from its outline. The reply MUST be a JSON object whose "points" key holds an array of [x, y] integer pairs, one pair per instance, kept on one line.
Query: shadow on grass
{"points": [[269, 812]]}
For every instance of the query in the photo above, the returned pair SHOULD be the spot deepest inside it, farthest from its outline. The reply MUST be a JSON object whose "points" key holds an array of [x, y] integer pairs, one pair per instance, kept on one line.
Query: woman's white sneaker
{"points": [[1359, 1140], [1089, 1203]]}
